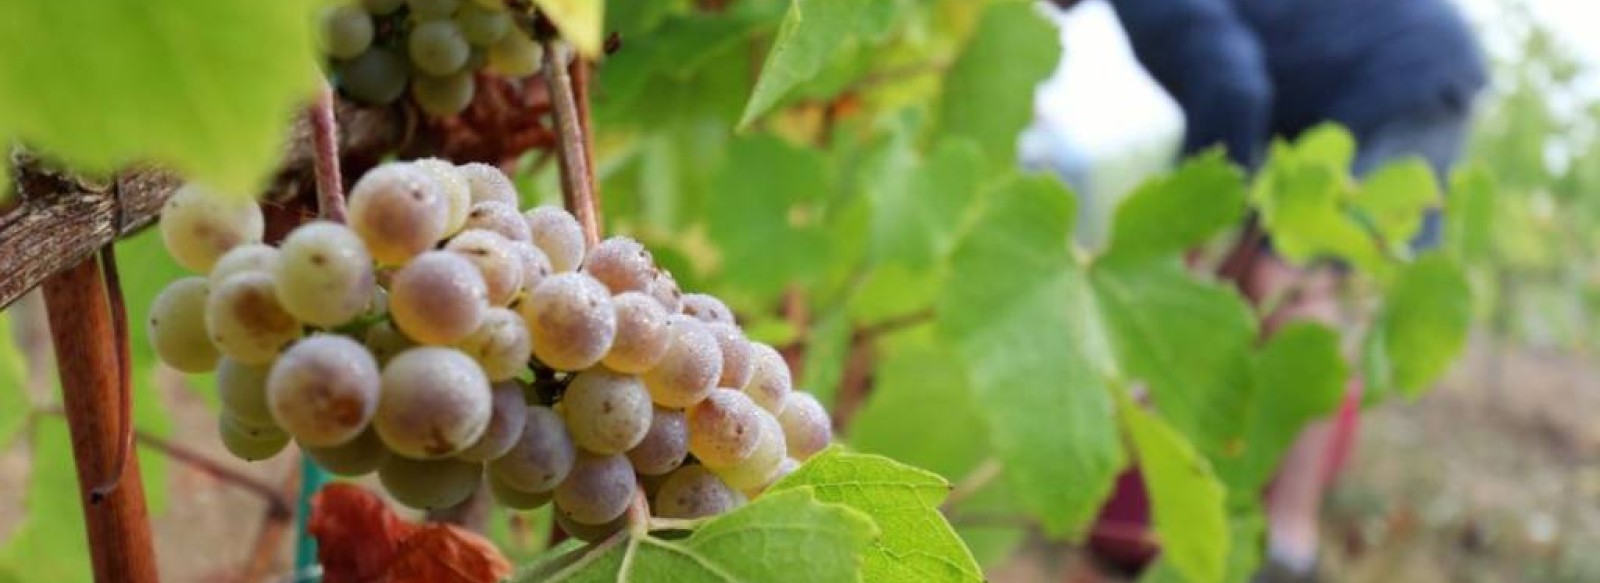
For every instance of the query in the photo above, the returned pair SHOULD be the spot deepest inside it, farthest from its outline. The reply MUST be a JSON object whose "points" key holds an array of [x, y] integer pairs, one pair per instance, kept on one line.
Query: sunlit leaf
{"points": [[988, 93], [1187, 502], [579, 21]]}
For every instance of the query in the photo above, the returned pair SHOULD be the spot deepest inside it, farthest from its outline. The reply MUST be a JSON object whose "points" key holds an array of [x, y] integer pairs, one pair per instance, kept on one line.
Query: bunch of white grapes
{"points": [[443, 337], [378, 47]]}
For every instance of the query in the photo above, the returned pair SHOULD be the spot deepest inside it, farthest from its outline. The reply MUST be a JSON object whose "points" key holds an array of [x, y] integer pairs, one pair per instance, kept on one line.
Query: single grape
{"points": [[542, 456], [558, 234], [346, 31], [621, 263], [323, 390], [690, 369], [664, 288], [770, 451], [769, 383], [199, 226], [385, 341], [806, 425], [429, 484], [724, 429], [444, 95], [457, 194], [438, 298], [433, 8], [597, 490], [495, 259], [242, 389], [437, 47], [507, 418], [572, 321], [738, 355], [695, 492], [607, 412], [510, 497], [535, 267], [399, 211], [382, 7], [644, 333], [707, 308], [250, 443], [436, 402], [357, 457], [248, 257], [245, 320], [515, 55], [324, 274], [177, 326], [500, 218], [482, 27], [487, 183], [589, 532], [664, 446], [785, 467], [501, 345], [376, 77]]}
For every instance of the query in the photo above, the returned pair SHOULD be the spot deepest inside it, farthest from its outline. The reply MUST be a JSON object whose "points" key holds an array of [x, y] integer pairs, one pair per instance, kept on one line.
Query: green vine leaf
{"points": [[988, 93], [204, 87], [1424, 325], [580, 22], [764, 214], [916, 544], [1171, 214], [1394, 198], [50, 544], [917, 203], [1187, 501], [1299, 376], [812, 32]]}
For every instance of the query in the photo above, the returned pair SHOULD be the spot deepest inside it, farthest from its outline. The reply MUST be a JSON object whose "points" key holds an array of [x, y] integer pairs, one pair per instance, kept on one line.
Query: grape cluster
{"points": [[379, 47], [443, 338]]}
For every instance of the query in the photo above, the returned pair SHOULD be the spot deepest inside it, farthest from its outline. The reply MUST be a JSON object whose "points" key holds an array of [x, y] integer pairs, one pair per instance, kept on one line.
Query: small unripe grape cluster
{"points": [[443, 338], [378, 48]]}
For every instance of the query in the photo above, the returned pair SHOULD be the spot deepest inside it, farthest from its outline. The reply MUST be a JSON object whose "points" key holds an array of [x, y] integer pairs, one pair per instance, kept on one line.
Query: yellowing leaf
{"points": [[580, 22]]}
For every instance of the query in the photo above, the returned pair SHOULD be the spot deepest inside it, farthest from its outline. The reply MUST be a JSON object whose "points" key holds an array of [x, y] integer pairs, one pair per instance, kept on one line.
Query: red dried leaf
{"points": [[361, 541]]}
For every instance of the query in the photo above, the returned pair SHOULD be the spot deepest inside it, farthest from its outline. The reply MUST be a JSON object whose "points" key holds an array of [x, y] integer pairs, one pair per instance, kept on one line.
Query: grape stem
{"points": [[325, 156], [577, 174]]}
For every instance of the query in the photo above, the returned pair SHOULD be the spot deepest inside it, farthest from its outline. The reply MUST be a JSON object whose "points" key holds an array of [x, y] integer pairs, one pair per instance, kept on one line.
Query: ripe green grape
{"points": [[507, 417], [382, 7], [707, 308], [399, 211], [597, 490], [198, 226], [482, 27], [724, 429], [589, 532], [807, 428], [644, 333], [248, 442], [323, 390], [510, 497], [436, 402], [385, 341], [346, 31], [770, 382], [324, 274], [242, 389], [664, 446], [438, 298], [245, 320], [495, 259], [622, 264], [535, 267], [558, 234], [177, 326], [770, 451], [542, 456], [249, 257], [444, 95], [694, 492], [690, 369], [572, 321], [457, 194], [607, 412], [487, 183], [429, 484], [501, 344], [433, 8], [515, 55], [738, 355], [376, 77], [664, 288], [357, 457], [500, 218], [437, 47]]}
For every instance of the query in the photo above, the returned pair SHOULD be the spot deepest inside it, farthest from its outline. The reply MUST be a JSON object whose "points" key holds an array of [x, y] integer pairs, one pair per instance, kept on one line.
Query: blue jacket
{"points": [[1247, 70]]}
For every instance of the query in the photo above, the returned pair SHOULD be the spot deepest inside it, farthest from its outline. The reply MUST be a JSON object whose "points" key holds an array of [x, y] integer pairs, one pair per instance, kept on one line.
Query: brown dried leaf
{"points": [[361, 541]]}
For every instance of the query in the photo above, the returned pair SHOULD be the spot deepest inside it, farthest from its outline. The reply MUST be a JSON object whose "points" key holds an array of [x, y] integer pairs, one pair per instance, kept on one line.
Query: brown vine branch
{"points": [[277, 504], [119, 326], [577, 177], [325, 158]]}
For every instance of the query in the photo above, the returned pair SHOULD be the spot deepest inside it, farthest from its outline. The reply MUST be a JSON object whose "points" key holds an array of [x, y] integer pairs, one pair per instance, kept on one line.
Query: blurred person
{"points": [[1401, 75]]}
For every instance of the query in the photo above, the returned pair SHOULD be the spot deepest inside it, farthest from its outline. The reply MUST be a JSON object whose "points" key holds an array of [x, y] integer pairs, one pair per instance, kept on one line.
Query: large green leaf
{"points": [[917, 205], [1424, 325], [1245, 530], [781, 537], [678, 49], [920, 382], [1301, 195], [988, 93], [1394, 198], [827, 348], [1022, 315], [915, 544], [1470, 214], [812, 32], [1173, 213], [764, 214], [205, 87], [50, 544], [1187, 502], [14, 404], [1299, 376]]}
